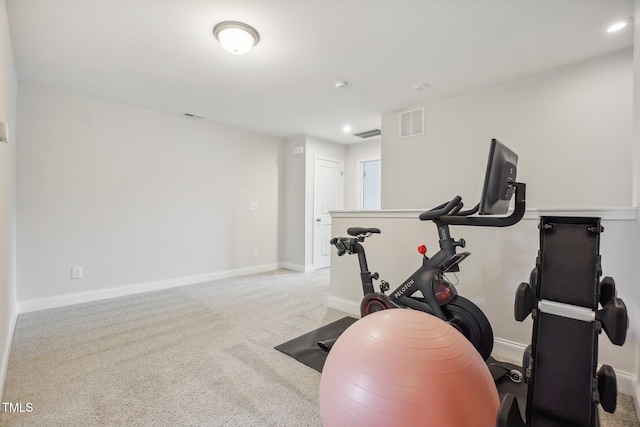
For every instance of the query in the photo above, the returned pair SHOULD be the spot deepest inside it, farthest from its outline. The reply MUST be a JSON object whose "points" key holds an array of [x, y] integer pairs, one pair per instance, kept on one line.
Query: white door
{"points": [[371, 183], [328, 196]]}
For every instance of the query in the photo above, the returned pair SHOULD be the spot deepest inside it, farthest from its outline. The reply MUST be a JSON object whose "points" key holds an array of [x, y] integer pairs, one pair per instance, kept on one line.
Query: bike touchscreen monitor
{"points": [[499, 179]]}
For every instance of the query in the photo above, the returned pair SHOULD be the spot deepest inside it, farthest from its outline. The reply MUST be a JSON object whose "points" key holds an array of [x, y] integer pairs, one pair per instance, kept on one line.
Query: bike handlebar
{"points": [[471, 211], [441, 210], [450, 213]]}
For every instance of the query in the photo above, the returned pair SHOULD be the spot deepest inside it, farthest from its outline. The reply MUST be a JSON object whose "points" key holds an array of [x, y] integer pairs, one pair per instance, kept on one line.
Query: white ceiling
{"points": [[161, 54]]}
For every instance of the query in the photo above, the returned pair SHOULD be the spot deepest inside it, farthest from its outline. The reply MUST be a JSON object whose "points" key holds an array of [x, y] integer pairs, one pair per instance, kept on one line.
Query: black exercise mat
{"points": [[305, 348]]}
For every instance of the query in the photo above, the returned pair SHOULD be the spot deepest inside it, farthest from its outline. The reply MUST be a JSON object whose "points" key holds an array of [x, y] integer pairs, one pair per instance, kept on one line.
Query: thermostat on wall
{"points": [[4, 137]]}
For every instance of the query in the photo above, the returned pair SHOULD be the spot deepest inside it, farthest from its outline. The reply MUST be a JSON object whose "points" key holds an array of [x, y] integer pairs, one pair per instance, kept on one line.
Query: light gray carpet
{"points": [[200, 355], [196, 355]]}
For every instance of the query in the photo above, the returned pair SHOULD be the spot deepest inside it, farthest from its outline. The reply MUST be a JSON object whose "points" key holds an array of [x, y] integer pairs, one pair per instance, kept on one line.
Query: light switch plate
{"points": [[76, 272]]}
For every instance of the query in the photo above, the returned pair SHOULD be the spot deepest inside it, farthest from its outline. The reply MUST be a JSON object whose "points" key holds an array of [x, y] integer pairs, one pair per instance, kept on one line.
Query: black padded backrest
{"points": [[565, 359], [570, 263]]}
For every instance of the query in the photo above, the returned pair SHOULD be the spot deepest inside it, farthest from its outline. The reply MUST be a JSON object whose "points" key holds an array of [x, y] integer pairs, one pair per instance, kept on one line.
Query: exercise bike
{"points": [[428, 289]]}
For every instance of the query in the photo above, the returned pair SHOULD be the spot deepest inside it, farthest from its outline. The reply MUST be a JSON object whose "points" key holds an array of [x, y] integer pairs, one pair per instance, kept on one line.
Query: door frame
{"points": [[314, 228], [359, 192]]}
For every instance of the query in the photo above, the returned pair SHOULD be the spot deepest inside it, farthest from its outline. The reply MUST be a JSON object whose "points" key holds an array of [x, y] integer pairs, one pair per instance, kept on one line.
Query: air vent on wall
{"points": [[191, 116], [368, 133], [412, 123]]}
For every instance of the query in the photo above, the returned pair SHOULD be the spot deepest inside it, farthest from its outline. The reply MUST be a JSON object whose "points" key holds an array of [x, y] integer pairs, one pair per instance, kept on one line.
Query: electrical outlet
{"points": [[255, 252], [253, 206], [76, 272]]}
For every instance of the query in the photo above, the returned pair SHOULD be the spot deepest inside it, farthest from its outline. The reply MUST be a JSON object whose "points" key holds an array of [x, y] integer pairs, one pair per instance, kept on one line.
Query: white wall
{"points": [[292, 225], [136, 197], [356, 153], [8, 114], [571, 127]]}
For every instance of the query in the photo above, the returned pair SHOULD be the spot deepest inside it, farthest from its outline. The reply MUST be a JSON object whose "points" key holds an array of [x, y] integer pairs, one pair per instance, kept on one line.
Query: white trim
{"points": [[629, 213], [622, 213], [383, 213], [636, 395], [345, 305], [506, 350], [627, 384], [303, 268], [291, 266], [7, 348], [35, 304]]}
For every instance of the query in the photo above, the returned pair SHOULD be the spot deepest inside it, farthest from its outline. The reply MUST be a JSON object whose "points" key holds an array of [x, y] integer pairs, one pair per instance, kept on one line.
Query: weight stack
{"points": [[563, 387]]}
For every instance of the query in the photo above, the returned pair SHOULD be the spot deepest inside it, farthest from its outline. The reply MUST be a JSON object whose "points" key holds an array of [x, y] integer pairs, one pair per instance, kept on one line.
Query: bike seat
{"points": [[356, 231]]}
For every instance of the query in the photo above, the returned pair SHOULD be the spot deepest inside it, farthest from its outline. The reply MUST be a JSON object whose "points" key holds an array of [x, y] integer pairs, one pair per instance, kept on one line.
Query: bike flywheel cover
{"points": [[374, 302]]}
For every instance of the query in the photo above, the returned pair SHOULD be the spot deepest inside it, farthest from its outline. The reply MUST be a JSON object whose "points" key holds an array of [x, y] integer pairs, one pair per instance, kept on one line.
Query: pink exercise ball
{"points": [[403, 367]]}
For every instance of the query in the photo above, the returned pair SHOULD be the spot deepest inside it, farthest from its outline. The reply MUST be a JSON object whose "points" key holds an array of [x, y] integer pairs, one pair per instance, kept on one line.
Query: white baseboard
{"points": [[303, 268], [35, 304], [636, 397], [627, 384], [7, 348], [345, 305], [507, 350]]}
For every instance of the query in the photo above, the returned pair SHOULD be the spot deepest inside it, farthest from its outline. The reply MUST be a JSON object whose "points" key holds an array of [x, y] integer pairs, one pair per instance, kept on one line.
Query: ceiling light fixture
{"points": [[613, 28], [236, 37], [346, 129]]}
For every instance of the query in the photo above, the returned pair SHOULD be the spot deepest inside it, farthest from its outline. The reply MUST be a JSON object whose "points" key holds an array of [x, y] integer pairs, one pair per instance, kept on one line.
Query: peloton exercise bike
{"points": [[428, 289]]}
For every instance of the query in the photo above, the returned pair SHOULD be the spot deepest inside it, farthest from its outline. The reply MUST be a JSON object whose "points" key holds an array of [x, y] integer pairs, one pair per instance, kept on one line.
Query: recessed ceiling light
{"points": [[617, 26], [236, 37], [346, 129], [192, 116], [340, 84]]}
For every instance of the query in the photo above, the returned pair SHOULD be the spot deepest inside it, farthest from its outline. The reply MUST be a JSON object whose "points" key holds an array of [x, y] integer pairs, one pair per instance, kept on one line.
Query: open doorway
{"points": [[370, 184]]}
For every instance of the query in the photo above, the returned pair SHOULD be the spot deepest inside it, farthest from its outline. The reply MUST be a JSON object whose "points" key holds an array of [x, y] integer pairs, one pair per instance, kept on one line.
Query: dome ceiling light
{"points": [[236, 37], [340, 84]]}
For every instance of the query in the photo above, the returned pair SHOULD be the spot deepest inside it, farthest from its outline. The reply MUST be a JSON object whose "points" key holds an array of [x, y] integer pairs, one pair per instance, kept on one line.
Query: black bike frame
{"points": [[422, 279]]}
